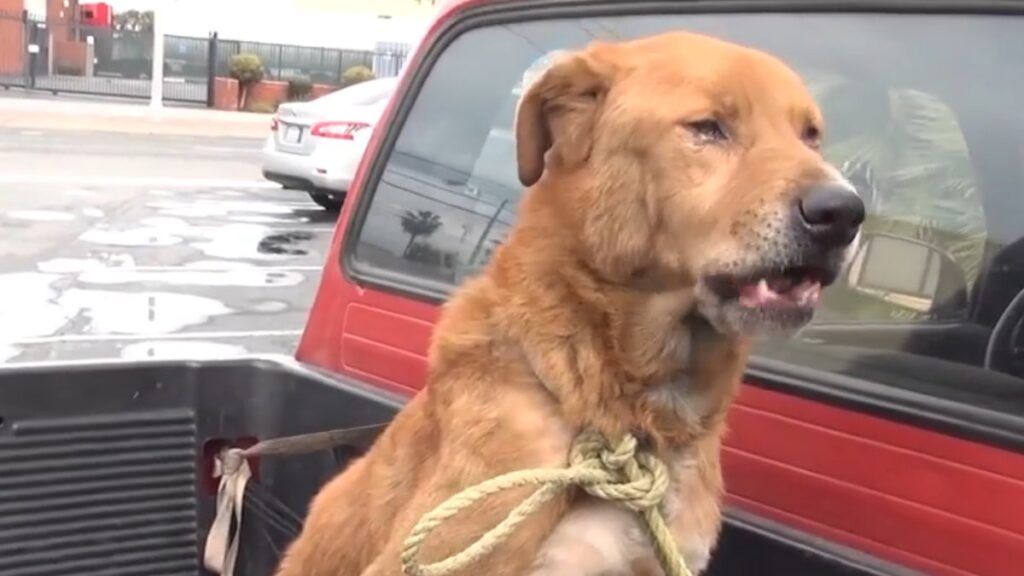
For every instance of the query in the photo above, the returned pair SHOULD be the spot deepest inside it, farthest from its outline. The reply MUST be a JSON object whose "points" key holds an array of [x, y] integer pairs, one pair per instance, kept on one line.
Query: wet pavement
{"points": [[150, 246]]}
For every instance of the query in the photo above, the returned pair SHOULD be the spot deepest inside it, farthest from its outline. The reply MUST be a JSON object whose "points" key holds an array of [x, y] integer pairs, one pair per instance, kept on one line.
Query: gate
{"points": [[70, 57]]}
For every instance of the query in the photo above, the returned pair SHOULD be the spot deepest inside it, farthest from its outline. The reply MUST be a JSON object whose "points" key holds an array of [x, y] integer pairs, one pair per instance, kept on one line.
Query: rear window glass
{"points": [[933, 155]]}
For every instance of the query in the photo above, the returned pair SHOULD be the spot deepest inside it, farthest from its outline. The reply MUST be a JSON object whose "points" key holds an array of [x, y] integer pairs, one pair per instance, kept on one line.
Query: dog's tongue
{"points": [[764, 293]]}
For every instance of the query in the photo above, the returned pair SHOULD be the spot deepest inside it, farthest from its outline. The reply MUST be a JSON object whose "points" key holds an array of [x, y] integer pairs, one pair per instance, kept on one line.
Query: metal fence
{"points": [[58, 56]]}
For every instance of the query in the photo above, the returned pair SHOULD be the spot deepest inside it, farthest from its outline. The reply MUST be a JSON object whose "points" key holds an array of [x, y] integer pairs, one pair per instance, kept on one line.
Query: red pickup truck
{"points": [[887, 439]]}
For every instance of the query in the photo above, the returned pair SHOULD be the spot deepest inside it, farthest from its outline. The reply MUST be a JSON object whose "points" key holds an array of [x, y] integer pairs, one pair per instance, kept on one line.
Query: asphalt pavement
{"points": [[136, 246]]}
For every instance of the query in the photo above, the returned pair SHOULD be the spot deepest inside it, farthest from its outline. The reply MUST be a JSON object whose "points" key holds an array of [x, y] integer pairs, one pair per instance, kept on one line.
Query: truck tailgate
{"points": [[104, 468]]}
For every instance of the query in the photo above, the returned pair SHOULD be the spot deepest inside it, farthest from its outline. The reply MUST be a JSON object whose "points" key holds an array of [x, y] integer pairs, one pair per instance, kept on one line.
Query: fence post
{"points": [[280, 48], [156, 90], [26, 39], [211, 71]]}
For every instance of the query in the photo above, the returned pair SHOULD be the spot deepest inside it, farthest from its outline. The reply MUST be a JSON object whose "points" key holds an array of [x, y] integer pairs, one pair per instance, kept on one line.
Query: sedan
{"points": [[315, 147]]}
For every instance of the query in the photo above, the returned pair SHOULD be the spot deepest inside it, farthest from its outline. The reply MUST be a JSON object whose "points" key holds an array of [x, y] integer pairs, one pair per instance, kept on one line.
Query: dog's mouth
{"points": [[789, 287]]}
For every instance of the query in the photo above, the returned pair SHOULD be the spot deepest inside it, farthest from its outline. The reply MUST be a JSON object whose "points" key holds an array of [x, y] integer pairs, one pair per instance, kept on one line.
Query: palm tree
{"points": [[421, 223], [905, 151]]}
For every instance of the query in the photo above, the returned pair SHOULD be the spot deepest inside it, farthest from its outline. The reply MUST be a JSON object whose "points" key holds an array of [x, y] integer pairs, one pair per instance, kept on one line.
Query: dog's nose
{"points": [[832, 213]]}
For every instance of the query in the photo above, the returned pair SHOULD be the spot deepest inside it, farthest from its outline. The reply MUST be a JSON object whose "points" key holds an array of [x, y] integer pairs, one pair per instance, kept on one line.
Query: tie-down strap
{"points": [[232, 467]]}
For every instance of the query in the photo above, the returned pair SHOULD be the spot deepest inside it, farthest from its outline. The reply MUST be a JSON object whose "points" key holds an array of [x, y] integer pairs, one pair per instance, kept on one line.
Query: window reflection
{"points": [[935, 157]]}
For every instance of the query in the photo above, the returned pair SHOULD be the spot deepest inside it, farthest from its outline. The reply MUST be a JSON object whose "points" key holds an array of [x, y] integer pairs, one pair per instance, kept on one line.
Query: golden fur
{"points": [[595, 312]]}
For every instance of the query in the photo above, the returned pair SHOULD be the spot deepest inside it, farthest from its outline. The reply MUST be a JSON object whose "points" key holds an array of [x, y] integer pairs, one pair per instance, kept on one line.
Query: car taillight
{"points": [[274, 123], [339, 130]]}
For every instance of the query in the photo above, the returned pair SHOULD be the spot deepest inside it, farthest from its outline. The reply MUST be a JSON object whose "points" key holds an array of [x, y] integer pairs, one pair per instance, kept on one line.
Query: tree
{"points": [[906, 153], [419, 224], [134, 21], [248, 70]]}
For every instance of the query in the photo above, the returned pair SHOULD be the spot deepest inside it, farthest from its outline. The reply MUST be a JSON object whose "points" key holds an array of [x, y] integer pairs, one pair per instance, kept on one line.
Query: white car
{"points": [[316, 146]]}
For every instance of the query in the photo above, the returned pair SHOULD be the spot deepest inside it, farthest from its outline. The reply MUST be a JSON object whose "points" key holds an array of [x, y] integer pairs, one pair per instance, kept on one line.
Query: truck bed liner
{"points": [[105, 468]]}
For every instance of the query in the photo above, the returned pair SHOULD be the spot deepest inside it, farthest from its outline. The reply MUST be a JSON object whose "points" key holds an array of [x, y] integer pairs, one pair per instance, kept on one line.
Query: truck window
{"points": [[912, 312]]}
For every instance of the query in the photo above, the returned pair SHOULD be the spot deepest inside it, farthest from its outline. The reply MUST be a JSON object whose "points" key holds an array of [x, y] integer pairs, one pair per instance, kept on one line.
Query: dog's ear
{"points": [[558, 113]]}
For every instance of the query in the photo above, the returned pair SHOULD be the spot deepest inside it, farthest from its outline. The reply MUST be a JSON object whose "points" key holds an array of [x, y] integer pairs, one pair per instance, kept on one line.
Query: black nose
{"points": [[832, 213]]}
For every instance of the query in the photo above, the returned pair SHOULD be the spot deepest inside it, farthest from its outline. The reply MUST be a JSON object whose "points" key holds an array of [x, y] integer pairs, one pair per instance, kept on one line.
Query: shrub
{"points": [[299, 89], [355, 75], [248, 70]]}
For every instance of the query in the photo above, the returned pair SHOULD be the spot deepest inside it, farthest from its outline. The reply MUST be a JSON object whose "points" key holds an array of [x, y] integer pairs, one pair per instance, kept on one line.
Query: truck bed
{"points": [[105, 468]]}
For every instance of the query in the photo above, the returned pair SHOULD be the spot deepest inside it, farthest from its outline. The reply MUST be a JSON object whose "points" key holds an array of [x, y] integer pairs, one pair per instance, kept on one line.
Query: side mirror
{"points": [[910, 273]]}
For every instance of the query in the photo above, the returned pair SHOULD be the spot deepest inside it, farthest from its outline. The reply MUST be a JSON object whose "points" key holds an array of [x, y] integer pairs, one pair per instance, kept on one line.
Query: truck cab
{"points": [[887, 438]]}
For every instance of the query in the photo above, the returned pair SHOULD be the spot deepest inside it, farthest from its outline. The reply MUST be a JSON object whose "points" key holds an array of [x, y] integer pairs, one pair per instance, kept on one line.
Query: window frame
{"points": [[887, 401]]}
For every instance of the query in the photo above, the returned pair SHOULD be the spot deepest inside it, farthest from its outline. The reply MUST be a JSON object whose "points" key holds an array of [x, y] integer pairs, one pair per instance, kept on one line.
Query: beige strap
{"points": [[232, 467], [222, 543]]}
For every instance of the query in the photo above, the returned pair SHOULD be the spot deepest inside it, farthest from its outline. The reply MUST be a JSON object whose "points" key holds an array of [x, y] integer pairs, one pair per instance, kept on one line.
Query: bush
{"points": [[355, 75], [246, 68], [263, 107], [299, 89]]}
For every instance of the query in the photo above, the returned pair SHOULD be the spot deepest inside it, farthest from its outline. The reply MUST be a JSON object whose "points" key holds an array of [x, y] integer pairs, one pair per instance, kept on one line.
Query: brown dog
{"points": [[677, 205]]}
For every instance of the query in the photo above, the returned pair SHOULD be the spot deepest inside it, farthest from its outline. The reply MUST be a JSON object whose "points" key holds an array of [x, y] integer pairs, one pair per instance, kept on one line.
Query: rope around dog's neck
{"points": [[611, 472]]}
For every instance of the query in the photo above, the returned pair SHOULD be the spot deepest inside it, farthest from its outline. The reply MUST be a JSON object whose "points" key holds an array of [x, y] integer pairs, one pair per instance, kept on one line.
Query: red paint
{"points": [[98, 14], [338, 130], [918, 498]]}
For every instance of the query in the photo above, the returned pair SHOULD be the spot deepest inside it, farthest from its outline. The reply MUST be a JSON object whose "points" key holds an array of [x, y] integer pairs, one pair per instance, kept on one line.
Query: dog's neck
{"points": [[615, 358]]}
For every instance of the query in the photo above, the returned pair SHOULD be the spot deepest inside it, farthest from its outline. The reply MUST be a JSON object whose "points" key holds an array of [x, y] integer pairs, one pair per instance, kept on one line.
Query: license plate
{"points": [[292, 135]]}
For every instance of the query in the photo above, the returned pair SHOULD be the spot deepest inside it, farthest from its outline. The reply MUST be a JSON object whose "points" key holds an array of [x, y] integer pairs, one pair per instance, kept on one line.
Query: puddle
{"points": [[141, 312], [233, 241], [131, 237], [269, 307], [248, 242], [28, 308], [96, 262], [40, 215], [221, 208], [251, 278], [68, 265], [176, 349], [290, 243], [8, 353], [257, 219], [218, 264]]}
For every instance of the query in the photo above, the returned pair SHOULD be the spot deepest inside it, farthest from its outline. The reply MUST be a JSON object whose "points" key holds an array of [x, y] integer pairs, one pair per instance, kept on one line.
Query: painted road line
{"points": [[78, 265], [130, 182], [227, 149], [71, 338]]}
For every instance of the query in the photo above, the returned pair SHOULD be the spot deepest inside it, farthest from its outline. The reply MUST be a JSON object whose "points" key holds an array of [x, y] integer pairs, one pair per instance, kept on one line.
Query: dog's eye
{"points": [[708, 130]]}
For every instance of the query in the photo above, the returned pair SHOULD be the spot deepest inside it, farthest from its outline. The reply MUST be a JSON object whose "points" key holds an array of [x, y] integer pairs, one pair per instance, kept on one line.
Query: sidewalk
{"points": [[56, 114]]}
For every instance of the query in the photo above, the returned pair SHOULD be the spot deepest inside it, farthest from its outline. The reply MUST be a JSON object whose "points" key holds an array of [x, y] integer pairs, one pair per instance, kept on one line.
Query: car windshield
{"points": [[929, 129]]}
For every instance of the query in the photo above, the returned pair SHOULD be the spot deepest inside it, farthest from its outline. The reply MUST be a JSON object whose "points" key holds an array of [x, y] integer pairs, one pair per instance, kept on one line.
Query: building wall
{"points": [[12, 42]]}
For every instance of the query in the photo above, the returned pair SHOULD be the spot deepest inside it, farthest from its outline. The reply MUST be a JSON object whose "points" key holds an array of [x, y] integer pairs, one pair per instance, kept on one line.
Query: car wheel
{"points": [[326, 201]]}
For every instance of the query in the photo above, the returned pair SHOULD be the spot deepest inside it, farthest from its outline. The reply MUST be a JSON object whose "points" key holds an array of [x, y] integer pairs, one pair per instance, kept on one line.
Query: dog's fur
{"points": [[597, 312]]}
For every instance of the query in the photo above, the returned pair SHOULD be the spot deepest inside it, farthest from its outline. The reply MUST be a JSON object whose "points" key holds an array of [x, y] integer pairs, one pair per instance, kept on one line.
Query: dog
{"points": [[677, 206]]}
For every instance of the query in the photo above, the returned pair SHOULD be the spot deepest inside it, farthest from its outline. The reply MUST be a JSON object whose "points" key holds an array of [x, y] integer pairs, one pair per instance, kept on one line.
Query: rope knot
{"points": [[637, 481], [610, 471], [229, 463]]}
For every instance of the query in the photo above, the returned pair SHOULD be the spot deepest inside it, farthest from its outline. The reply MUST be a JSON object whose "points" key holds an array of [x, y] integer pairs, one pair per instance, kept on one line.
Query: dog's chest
{"points": [[598, 538]]}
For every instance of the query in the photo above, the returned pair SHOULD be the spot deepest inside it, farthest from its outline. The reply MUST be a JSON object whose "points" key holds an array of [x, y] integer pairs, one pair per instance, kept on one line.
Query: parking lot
{"points": [[133, 246]]}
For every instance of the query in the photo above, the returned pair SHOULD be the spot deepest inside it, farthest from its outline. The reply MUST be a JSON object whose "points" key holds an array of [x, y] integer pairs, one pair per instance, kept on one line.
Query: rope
{"points": [[616, 473]]}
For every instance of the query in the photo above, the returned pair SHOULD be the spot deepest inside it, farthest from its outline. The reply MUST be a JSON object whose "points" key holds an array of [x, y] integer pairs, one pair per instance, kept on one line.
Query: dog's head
{"points": [[682, 161]]}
